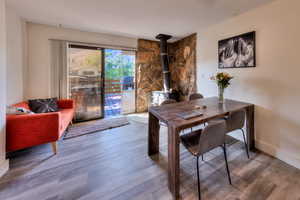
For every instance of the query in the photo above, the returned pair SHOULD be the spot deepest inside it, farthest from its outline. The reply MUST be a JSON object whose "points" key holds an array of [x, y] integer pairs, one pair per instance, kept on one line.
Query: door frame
{"points": [[103, 82], [102, 87]]}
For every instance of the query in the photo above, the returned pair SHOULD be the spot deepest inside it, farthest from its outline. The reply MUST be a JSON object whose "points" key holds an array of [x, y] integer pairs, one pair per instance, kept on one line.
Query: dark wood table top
{"points": [[169, 113]]}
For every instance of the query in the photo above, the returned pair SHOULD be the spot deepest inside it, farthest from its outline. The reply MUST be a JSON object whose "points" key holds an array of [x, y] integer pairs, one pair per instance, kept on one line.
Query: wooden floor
{"points": [[113, 164]]}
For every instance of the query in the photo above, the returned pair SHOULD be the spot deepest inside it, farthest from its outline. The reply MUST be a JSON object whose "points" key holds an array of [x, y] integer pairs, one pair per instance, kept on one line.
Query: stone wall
{"points": [[183, 66], [148, 72]]}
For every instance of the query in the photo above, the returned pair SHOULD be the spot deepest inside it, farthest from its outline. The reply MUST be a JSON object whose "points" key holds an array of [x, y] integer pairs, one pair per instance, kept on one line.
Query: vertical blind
{"points": [[59, 69]]}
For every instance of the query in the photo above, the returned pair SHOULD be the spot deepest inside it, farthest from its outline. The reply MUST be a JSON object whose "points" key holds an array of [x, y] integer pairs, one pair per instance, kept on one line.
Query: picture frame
{"points": [[238, 51]]}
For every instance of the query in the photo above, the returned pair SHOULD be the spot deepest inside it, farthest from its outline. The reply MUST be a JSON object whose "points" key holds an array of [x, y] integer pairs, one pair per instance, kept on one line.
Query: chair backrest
{"points": [[168, 101], [236, 120], [196, 96], [212, 136]]}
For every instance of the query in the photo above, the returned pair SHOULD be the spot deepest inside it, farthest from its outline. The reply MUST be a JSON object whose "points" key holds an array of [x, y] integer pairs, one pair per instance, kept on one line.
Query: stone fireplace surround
{"points": [[182, 57]]}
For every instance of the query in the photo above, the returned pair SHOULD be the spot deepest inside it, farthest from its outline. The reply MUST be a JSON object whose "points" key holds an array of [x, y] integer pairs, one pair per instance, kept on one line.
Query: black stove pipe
{"points": [[165, 60]]}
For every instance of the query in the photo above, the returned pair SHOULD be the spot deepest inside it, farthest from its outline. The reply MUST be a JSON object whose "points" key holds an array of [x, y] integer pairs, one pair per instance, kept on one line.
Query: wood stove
{"points": [[157, 97]]}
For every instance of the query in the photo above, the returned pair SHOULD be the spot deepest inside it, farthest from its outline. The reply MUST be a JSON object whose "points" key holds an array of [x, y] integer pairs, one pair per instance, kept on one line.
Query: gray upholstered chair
{"points": [[196, 96], [202, 141], [165, 102], [236, 121], [168, 101]]}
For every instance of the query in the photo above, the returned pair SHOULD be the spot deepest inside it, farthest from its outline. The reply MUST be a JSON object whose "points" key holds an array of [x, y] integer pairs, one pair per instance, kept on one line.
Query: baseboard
{"points": [[286, 157], [4, 166]]}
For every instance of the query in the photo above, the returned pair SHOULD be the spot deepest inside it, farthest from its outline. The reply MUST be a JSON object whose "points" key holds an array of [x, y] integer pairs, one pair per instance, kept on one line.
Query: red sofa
{"points": [[28, 130]]}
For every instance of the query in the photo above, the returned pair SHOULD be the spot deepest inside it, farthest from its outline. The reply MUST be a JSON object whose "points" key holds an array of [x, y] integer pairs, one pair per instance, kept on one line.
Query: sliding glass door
{"points": [[85, 81], [119, 82], [101, 81]]}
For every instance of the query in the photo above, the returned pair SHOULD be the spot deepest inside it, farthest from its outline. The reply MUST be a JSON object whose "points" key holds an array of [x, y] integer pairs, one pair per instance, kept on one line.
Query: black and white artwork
{"points": [[238, 51]]}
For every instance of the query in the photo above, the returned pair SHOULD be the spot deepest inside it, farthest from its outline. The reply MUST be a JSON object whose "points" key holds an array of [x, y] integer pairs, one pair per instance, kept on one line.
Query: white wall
{"points": [[38, 74], [273, 86], [15, 56], [3, 161]]}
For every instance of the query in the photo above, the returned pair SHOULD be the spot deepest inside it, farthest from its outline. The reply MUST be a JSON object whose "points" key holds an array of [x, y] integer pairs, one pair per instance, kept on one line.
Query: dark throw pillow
{"points": [[43, 105]]}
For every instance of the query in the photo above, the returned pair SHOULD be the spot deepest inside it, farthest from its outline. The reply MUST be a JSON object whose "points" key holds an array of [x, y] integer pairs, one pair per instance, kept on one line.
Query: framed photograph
{"points": [[237, 51]]}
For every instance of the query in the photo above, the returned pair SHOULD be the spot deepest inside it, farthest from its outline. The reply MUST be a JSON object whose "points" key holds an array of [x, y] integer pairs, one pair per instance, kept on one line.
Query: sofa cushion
{"points": [[43, 105]]}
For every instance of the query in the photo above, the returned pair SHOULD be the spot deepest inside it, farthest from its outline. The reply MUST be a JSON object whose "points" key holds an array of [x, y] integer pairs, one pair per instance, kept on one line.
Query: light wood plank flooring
{"points": [[113, 164]]}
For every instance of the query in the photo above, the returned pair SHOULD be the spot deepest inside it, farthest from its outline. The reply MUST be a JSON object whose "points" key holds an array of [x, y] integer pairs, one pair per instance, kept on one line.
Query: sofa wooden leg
{"points": [[54, 147]]}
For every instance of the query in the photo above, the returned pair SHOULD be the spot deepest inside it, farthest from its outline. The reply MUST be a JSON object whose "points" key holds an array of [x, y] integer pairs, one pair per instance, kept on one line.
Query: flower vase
{"points": [[221, 95]]}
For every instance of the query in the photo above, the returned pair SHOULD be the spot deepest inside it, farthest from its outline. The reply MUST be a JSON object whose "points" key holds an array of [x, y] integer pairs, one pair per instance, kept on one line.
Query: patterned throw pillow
{"points": [[43, 105], [24, 110], [11, 110]]}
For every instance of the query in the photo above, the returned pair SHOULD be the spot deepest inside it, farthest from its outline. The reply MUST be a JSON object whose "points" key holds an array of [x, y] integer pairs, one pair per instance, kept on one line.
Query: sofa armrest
{"points": [[31, 129], [66, 103]]}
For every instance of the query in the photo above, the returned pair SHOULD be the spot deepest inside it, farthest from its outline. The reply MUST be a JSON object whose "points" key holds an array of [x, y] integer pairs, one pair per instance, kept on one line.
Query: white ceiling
{"points": [[137, 18]]}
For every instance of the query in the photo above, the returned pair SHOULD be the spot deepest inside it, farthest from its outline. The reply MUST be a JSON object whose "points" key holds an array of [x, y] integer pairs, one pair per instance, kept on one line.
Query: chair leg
{"points": [[245, 142], [202, 157], [225, 156], [198, 179], [54, 147]]}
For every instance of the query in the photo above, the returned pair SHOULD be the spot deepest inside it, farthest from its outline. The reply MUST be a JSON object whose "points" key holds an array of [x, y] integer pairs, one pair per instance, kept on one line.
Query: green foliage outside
{"points": [[118, 65]]}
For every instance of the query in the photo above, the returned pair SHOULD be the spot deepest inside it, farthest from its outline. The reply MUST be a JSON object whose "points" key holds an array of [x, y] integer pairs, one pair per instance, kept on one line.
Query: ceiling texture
{"points": [[133, 18]]}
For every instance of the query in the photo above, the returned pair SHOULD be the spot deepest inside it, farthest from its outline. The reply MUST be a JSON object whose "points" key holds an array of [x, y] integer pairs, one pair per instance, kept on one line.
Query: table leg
{"points": [[173, 161], [153, 135], [250, 128]]}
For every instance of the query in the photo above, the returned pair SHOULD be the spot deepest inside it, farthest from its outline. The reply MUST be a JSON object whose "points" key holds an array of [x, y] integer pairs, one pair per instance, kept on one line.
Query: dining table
{"points": [[171, 114]]}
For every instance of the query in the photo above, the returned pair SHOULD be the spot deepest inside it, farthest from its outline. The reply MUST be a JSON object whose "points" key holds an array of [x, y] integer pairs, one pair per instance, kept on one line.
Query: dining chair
{"points": [[165, 102], [205, 140], [168, 101], [196, 96], [236, 121]]}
